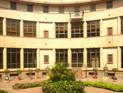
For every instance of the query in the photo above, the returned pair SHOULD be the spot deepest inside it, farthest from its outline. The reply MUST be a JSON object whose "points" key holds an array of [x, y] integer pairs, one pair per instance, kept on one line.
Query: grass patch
{"points": [[3, 91], [104, 85], [27, 85]]}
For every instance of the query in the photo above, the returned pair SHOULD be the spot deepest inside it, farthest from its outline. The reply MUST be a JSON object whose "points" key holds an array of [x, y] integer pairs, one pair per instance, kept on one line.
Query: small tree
{"points": [[95, 72], [60, 72], [19, 72], [37, 70], [114, 70]]}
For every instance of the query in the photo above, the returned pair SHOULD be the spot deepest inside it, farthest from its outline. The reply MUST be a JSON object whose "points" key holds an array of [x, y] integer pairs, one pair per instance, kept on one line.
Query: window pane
{"points": [[13, 5], [1, 58], [1, 26], [109, 4], [93, 7], [45, 9], [61, 9], [30, 8]]}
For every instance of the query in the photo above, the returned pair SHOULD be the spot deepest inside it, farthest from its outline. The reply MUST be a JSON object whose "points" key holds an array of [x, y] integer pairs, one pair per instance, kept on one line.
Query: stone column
{"points": [[85, 29], [102, 64], [54, 30], [38, 58], [4, 27], [69, 58], [85, 59], [101, 27], [119, 58], [54, 57], [37, 29], [21, 29], [5, 58], [119, 25], [69, 29], [22, 59]]}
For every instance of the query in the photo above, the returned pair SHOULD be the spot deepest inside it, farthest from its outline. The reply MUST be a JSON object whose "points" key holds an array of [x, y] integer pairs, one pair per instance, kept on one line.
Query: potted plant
{"points": [[114, 70], [30, 73], [95, 73], [19, 72], [6, 71], [37, 70]]}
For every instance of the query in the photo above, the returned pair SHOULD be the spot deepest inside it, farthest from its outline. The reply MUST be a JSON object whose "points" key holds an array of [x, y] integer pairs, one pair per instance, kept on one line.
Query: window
{"points": [[93, 57], [77, 57], [29, 29], [109, 4], [46, 59], [121, 25], [30, 58], [77, 10], [62, 56], [110, 58], [13, 58], [1, 26], [109, 31], [13, 5], [30, 8], [61, 9], [121, 57], [45, 9], [1, 58], [46, 34], [13, 27], [93, 28], [93, 7], [61, 30], [76, 29]]}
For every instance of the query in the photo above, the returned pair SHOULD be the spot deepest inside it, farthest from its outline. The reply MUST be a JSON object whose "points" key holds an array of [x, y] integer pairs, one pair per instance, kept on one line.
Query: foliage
{"points": [[37, 70], [26, 85], [3, 91], [6, 71], [63, 87], [19, 71], [61, 73], [95, 71], [104, 85], [114, 69], [30, 71]]}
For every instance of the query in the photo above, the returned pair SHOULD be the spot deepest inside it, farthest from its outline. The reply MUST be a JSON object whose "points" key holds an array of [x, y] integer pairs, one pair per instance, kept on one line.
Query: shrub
{"points": [[63, 87], [26, 85], [104, 85], [3, 91], [6, 71], [95, 71], [37, 70], [19, 71], [30, 71], [61, 73]]}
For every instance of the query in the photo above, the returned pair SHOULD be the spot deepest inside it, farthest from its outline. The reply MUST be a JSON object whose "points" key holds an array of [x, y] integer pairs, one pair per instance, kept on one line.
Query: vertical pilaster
{"points": [[85, 28], [119, 58], [102, 64], [5, 58], [21, 29], [38, 58], [22, 59], [119, 25], [54, 57], [85, 58], [69, 29], [69, 58], [37, 29], [101, 27], [4, 26], [54, 30]]}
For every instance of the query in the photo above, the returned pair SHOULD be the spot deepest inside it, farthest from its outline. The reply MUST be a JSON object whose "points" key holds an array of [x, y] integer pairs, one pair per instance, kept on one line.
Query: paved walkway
{"points": [[8, 86]]}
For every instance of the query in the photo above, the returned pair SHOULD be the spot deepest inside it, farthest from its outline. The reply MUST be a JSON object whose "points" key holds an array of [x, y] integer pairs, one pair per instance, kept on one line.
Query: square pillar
{"points": [[85, 28], [54, 56], [69, 29], [38, 58], [101, 59], [119, 25], [85, 59], [119, 58], [37, 29], [21, 29], [22, 59], [5, 58], [4, 27], [54, 30], [69, 58], [101, 27]]}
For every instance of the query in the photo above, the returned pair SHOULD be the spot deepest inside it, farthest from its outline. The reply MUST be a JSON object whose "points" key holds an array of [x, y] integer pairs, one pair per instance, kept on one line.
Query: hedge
{"points": [[104, 85], [63, 87], [3, 91], [27, 85]]}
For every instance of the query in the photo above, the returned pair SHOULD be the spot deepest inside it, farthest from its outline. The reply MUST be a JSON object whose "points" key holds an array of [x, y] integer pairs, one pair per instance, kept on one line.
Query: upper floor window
{"points": [[29, 29], [93, 7], [110, 58], [76, 29], [93, 28], [45, 9], [121, 25], [1, 58], [13, 27], [13, 5], [1, 26], [109, 4], [46, 59], [30, 8], [77, 9], [109, 31], [61, 9], [46, 34], [61, 30]]}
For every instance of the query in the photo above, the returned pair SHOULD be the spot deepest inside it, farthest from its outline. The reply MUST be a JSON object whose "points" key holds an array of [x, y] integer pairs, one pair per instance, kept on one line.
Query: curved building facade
{"points": [[83, 34]]}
